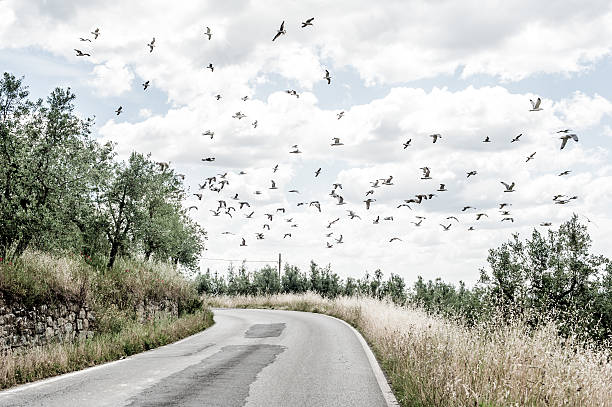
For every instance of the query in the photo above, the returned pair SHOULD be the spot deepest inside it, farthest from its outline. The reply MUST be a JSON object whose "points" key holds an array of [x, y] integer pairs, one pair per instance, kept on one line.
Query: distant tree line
{"points": [[60, 190], [547, 277]]}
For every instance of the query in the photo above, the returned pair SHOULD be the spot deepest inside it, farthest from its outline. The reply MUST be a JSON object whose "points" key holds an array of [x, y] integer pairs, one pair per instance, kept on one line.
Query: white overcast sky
{"points": [[464, 69]]}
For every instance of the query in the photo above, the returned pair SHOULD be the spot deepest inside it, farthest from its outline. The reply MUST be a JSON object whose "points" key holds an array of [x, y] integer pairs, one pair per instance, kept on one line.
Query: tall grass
{"points": [[435, 362], [50, 360]]}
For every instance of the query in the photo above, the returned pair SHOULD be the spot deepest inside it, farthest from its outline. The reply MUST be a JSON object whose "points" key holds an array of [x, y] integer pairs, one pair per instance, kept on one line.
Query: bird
{"points": [[238, 115], [163, 165], [250, 215], [307, 22], [243, 242], [336, 186], [516, 138], [509, 188], [535, 106], [145, 85], [368, 202], [296, 150], [435, 137], [480, 215], [387, 181], [404, 205], [388, 218], [151, 45], [287, 235], [273, 185], [442, 188], [84, 39], [370, 192], [211, 67], [336, 142], [192, 207], [546, 224], [566, 172], [327, 77], [199, 196], [503, 205], [470, 173], [426, 173], [119, 110], [329, 225], [275, 168], [353, 215], [566, 137], [295, 191], [340, 200], [446, 228], [376, 221], [209, 133], [243, 203], [465, 208], [471, 228], [208, 159], [508, 218], [266, 226], [529, 158], [407, 143], [452, 217], [280, 31], [80, 53], [316, 204], [329, 245], [245, 98], [486, 140], [218, 97], [96, 33], [317, 172], [293, 93], [418, 223], [269, 216], [340, 115], [339, 240], [394, 239], [564, 131], [208, 33]]}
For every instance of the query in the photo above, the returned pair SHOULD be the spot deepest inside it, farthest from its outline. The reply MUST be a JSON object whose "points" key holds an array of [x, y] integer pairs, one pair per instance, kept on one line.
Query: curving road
{"points": [[248, 358]]}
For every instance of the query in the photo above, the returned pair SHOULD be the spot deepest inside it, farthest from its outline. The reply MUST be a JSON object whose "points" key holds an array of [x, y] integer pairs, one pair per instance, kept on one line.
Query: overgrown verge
{"points": [[431, 361], [42, 362]]}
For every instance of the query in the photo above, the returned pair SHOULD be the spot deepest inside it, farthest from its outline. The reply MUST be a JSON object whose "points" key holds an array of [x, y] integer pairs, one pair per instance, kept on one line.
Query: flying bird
{"points": [[307, 22], [486, 140], [208, 159], [211, 67], [368, 202], [243, 242], [254, 124], [84, 39], [442, 188], [340, 115], [353, 215], [516, 138], [529, 158], [238, 115], [336, 142], [446, 228], [407, 143], [470, 173], [535, 106], [317, 172], [208, 33], [566, 138], [146, 84], [151, 45], [509, 188], [435, 137], [273, 185], [209, 133], [96, 33], [566, 172], [280, 31], [480, 215], [426, 173], [80, 53], [327, 77], [394, 239]]}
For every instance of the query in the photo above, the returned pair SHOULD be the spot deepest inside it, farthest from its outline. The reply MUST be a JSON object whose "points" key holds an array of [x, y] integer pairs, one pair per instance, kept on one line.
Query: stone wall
{"points": [[21, 326]]}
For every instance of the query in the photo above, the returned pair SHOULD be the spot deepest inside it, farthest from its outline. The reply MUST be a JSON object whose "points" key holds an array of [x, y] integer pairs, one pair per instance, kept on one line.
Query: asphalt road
{"points": [[248, 358]]}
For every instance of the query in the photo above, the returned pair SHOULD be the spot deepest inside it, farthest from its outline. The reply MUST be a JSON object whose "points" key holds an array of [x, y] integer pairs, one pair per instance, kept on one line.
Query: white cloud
{"points": [[112, 78]]}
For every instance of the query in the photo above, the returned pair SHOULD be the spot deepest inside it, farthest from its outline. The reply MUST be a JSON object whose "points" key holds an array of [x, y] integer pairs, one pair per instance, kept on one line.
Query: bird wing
{"points": [[310, 20], [282, 27], [276, 36], [563, 142], [537, 103], [574, 136], [506, 185]]}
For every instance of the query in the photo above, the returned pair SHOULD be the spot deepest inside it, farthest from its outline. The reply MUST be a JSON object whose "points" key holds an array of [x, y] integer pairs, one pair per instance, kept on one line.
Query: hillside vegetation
{"points": [[77, 225]]}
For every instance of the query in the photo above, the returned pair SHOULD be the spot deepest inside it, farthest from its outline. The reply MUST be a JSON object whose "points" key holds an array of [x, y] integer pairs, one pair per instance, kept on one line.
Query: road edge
{"points": [[390, 398]]}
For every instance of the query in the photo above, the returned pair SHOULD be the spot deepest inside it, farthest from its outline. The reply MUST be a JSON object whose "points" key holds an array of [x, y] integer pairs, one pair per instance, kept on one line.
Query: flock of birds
{"points": [[219, 182]]}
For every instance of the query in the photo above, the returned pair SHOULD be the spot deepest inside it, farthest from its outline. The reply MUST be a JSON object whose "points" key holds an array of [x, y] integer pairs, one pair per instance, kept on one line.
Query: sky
{"points": [[400, 71]]}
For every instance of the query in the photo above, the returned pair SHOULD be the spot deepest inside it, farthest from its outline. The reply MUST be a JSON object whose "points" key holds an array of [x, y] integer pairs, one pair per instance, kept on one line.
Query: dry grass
{"points": [[434, 362], [46, 361]]}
